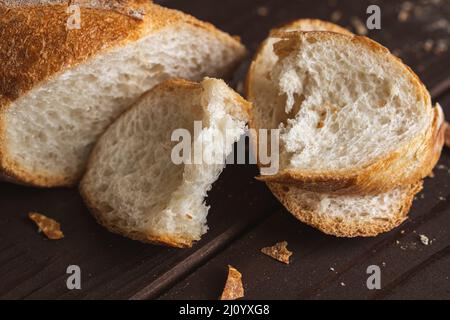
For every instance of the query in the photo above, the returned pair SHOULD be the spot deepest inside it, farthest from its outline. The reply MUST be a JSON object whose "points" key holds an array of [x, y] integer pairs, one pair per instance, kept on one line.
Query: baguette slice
{"points": [[353, 118], [61, 88], [338, 215], [133, 187]]}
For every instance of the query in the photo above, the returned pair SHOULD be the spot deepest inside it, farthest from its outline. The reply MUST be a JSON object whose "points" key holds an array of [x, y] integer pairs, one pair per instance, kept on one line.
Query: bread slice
{"points": [[353, 118], [61, 88], [133, 187]]}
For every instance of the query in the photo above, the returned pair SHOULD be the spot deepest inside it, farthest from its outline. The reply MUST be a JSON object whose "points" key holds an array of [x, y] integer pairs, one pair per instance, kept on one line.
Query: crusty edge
{"points": [[95, 208], [344, 228], [138, 236], [127, 30], [365, 179]]}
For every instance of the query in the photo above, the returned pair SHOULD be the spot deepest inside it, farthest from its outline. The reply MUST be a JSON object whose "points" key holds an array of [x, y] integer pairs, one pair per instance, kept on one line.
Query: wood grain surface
{"points": [[244, 216]]}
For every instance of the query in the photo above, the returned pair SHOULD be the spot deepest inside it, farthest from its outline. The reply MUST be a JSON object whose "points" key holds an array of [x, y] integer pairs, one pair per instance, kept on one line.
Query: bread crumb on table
{"points": [[405, 11], [441, 24], [49, 227], [262, 11], [424, 239], [278, 252], [441, 46], [428, 45], [359, 26], [234, 288], [336, 16]]}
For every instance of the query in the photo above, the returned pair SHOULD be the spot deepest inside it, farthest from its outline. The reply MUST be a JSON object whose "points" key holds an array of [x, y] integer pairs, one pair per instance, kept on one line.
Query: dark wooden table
{"points": [[245, 216]]}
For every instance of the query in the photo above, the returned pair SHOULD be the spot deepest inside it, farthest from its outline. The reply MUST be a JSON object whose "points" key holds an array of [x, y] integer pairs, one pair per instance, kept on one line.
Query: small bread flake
{"points": [[233, 287], [336, 16], [405, 11], [424, 239], [428, 45], [49, 227], [441, 46], [262, 11], [447, 134], [359, 26], [278, 252]]}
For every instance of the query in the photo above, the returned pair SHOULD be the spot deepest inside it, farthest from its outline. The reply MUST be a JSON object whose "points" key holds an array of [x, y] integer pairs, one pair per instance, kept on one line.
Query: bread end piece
{"points": [[49, 65]]}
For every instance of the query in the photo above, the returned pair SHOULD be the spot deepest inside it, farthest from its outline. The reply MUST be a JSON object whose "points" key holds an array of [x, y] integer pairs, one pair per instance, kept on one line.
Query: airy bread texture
{"points": [[132, 185], [348, 111], [60, 89], [339, 215]]}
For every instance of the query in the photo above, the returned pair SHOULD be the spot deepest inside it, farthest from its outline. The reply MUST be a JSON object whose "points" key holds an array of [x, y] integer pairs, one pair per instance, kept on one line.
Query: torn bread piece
{"points": [[278, 252], [344, 216], [353, 127], [234, 289], [132, 185], [50, 227], [61, 88]]}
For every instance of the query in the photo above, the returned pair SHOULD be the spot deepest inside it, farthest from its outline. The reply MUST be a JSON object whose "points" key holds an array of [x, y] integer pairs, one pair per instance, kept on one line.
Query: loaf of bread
{"points": [[60, 88]]}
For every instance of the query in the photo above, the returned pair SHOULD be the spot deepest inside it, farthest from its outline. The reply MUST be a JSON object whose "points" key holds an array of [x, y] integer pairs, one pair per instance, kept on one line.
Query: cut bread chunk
{"points": [[61, 88], [353, 118], [133, 186], [344, 215], [348, 216]]}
